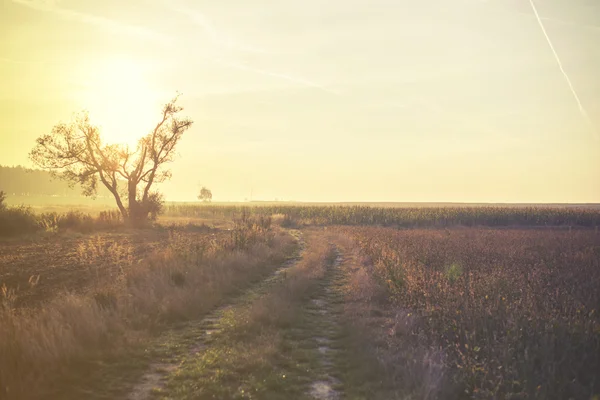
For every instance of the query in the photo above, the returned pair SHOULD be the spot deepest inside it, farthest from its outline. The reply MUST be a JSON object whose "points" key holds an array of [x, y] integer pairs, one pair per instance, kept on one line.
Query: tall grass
{"points": [[251, 356], [40, 349], [17, 221], [514, 313], [279, 308], [404, 216], [22, 220]]}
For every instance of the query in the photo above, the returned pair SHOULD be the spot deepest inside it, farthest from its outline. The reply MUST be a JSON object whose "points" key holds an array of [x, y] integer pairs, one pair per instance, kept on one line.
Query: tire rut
{"points": [[207, 327], [327, 387]]}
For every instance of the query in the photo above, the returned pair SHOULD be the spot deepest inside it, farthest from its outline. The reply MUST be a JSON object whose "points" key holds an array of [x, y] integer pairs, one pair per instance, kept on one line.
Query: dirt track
{"points": [[305, 360]]}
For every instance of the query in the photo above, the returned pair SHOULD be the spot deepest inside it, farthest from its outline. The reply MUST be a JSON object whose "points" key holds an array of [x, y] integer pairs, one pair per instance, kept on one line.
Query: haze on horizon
{"points": [[349, 100]]}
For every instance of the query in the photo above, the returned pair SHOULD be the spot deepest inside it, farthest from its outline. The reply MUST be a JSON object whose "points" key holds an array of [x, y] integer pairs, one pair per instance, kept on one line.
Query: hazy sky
{"points": [[338, 100]]}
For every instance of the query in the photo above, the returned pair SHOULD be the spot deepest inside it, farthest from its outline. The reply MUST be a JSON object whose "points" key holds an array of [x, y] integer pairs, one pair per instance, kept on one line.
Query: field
{"points": [[511, 313], [409, 215], [306, 302], [78, 262]]}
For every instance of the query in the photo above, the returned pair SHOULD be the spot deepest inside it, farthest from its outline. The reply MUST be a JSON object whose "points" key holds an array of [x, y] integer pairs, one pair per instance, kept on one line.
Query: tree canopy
{"points": [[75, 152], [205, 194]]}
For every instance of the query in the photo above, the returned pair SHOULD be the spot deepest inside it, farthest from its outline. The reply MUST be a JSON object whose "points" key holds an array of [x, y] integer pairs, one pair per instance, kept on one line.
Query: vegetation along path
{"points": [[279, 340], [181, 345]]}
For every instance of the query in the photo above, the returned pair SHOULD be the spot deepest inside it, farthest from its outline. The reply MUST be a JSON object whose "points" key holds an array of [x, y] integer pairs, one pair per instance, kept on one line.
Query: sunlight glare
{"points": [[121, 101]]}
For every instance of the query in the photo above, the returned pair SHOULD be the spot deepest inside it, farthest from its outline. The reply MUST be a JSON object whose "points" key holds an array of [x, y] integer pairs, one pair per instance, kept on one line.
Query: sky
{"points": [[344, 100]]}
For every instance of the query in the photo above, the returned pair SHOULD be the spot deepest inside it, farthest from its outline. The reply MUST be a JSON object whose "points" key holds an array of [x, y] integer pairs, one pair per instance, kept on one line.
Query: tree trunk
{"points": [[136, 216], [122, 208]]}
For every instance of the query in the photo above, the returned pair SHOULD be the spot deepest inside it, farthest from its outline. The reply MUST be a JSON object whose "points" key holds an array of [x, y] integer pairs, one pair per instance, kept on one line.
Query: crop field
{"points": [[408, 216], [509, 313], [306, 302]]}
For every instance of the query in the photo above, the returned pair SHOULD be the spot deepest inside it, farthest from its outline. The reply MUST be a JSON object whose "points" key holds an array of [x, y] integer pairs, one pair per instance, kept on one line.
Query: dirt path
{"points": [[324, 331], [275, 341], [200, 333]]}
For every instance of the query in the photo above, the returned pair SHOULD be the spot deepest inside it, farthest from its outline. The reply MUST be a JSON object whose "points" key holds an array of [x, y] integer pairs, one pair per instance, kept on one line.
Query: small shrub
{"points": [[106, 299], [263, 222], [178, 278], [109, 219], [76, 221], [153, 206], [288, 221], [453, 272], [49, 221], [79, 222], [17, 221]]}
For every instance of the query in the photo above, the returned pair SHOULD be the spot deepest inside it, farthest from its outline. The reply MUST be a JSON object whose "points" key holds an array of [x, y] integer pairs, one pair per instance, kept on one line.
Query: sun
{"points": [[121, 101]]}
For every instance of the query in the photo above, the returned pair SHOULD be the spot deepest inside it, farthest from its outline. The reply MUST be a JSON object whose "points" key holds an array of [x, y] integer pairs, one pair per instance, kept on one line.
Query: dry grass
{"points": [[483, 313], [279, 308], [77, 263], [16, 221], [252, 356], [383, 364], [41, 348]]}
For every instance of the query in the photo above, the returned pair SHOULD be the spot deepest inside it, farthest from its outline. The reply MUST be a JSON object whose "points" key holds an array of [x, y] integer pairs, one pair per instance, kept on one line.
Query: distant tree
{"points": [[2, 198], [205, 194], [75, 152]]}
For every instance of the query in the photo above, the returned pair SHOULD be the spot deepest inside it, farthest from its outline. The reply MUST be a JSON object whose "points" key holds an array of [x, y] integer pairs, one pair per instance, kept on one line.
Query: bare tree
{"points": [[205, 194], [75, 152]]}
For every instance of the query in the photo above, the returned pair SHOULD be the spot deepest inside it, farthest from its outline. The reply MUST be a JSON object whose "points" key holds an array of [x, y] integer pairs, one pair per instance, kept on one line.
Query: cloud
{"points": [[225, 42], [52, 6], [286, 77], [220, 39]]}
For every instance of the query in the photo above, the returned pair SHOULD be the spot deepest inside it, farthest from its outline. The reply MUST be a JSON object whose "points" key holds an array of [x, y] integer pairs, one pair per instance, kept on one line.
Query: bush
{"points": [[76, 221], [109, 219], [72, 220], [21, 220], [153, 206], [17, 221], [288, 221]]}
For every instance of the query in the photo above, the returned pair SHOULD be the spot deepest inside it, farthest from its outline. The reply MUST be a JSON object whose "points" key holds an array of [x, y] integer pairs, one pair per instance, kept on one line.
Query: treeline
{"points": [[20, 181]]}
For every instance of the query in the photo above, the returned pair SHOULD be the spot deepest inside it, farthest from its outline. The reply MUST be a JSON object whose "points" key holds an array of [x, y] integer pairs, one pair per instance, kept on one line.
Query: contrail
{"points": [[562, 69], [290, 78]]}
